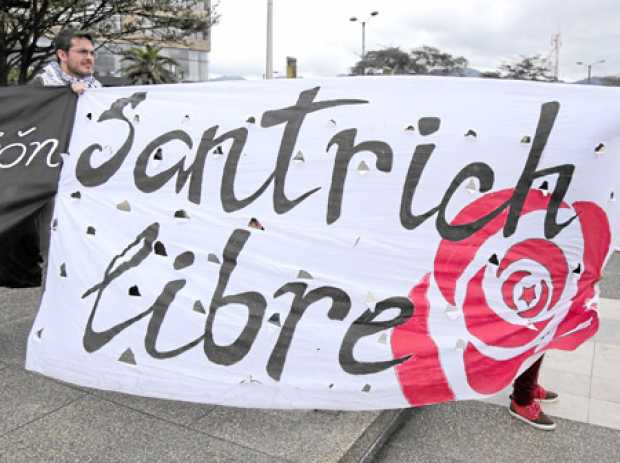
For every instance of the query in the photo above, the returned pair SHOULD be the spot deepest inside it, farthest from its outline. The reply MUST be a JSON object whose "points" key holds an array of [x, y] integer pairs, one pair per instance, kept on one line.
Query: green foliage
{"points": [[610, 81], [422, 60], [25, 26], [527, 68], [144, 66]]}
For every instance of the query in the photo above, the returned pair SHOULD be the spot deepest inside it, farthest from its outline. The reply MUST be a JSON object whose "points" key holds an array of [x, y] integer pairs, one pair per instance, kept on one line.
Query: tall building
{"points": [[192, 54]]}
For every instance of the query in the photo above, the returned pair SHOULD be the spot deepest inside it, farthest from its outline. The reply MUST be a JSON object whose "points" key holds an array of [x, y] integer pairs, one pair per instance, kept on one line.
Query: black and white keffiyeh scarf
{"points": [[53, 76]]}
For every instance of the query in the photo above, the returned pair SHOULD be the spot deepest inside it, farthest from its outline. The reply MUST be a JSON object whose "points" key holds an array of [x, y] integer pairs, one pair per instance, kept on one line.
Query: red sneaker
{"points": [[543, 395], [532, 415]]}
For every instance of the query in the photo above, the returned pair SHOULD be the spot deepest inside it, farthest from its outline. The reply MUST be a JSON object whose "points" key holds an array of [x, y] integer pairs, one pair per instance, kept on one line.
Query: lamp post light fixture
{"points": [[355, 19], [589, 66]]}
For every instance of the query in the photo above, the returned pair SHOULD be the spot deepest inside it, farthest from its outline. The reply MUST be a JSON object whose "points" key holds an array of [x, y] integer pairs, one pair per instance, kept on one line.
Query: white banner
{"points": [[351, 243]]}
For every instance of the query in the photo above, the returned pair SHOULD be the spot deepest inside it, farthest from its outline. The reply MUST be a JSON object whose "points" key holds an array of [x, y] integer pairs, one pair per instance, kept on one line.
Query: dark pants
{"points": [[525, 384]]}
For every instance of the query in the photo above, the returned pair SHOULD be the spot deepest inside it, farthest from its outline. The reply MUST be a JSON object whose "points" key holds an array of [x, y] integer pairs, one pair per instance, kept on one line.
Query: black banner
{"points": [[35, 126]]}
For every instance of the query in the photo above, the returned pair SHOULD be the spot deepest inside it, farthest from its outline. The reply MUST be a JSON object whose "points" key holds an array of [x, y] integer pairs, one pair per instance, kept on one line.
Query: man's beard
{"points": [[76, 72]]}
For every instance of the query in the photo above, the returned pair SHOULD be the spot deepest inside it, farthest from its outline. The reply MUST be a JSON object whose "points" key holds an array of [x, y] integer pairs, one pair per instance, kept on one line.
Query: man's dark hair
{"points": [[62, 41]]}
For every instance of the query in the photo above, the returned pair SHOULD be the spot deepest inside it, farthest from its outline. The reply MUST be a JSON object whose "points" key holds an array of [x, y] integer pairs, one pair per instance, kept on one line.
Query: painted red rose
{"points": [[531, 319]]}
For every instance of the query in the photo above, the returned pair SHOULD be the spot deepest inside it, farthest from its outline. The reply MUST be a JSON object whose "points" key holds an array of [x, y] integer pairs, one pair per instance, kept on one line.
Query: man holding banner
{"points": [[75, 57]]}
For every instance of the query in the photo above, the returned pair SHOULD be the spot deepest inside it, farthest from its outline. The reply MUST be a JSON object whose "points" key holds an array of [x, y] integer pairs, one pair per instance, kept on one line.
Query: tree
{"points": [[146, 66], [422, 60], [390, 60], [490, 75], [430, 60], [25, 26], [610, 81], [527, 68]]}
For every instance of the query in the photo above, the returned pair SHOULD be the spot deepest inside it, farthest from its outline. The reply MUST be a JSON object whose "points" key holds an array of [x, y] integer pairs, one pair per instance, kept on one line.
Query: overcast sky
{"points": [[486, 32]]}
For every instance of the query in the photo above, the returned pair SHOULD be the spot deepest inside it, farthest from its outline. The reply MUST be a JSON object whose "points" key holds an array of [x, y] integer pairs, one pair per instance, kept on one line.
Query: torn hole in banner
{"points": [[218, 152], [199, 308], [612, 197], [124, 206], [128, 357], [410, 128], [471, 134], [600, 148], [213, 259], [89, 116], [254, 223], [160, 249], [275, 319], [158, 157], [363, 168], [304, 275], [63, 270], [54, 224], [76, 195], [472, 186], [183, 260], [526, 139], [90, 230], [494, 260], [544, 188], [251, 120], [249, 380], [136, 118], [366, 388], [39, 333], [428, 125], [299, 158], [181, 216], [134, 291]]}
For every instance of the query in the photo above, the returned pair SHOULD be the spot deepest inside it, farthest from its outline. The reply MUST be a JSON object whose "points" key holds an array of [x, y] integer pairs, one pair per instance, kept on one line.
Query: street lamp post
{"points": [[589, 66], [269, 58], [355, 19]]}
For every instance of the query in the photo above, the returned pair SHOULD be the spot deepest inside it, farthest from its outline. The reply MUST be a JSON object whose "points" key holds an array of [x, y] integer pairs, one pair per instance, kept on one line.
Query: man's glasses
{"points": [[84, 52]]}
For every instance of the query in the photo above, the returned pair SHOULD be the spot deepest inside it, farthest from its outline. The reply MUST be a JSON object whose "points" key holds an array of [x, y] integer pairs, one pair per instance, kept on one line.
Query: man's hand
{"points": [[78, 87]]}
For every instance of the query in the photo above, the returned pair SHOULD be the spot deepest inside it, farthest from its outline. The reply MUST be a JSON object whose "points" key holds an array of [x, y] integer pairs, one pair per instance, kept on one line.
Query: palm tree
{"points": [[145, 66]]}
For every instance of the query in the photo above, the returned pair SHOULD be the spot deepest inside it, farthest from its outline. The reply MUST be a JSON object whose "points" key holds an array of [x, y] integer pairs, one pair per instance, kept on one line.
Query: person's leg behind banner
{"points": [[526, 398]]}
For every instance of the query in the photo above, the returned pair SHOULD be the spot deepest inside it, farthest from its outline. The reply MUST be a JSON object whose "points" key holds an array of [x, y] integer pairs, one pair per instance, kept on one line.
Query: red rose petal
{"points": [[508, 288], [453, 257], [486, 375], [422, 378], [542, 301], [483, 323], [546, 253], [596, 242]]}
